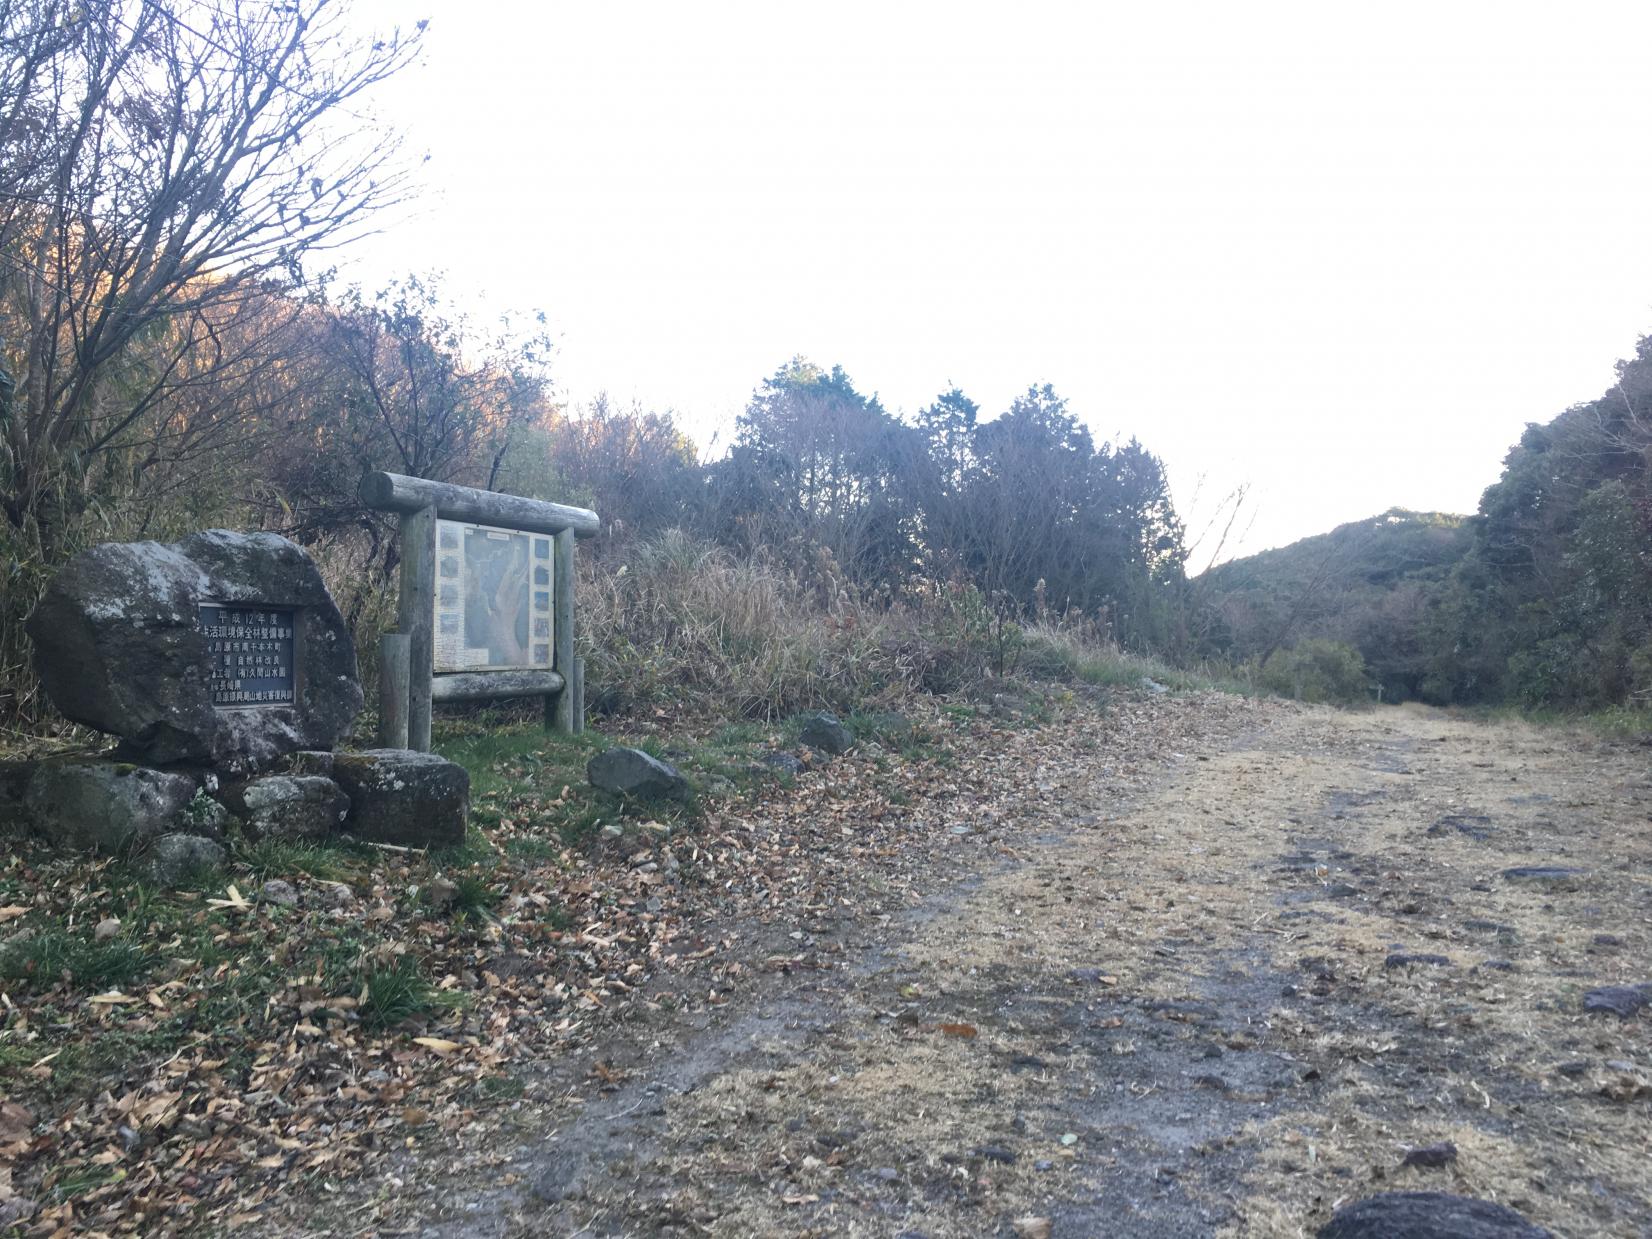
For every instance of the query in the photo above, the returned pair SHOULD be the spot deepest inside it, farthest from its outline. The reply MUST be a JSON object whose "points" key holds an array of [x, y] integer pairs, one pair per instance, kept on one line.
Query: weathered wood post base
{"points": [[579, 696], [394, 677], [562, 602], [416, 615]]}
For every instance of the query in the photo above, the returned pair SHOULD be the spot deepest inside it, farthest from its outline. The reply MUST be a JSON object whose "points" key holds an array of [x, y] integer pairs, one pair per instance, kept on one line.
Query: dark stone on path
{"points": [[1496, 965], [995, 1153], [826, 733], [1554, 877], [1575, 1068], [1620, 1000], [1607, 941], [95, 805], [1432, 1156], [1474, 825], [1094, 976], [631, 772], [405, 798], [171, 859], [1407, 959], [286, 806], [1428, 1215], [120, 646], [1341, 890]]}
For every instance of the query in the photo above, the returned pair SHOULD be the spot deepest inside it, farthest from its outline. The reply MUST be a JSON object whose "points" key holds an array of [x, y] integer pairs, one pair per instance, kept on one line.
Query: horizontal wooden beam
{"points": [[481, 685], [394, 492]]}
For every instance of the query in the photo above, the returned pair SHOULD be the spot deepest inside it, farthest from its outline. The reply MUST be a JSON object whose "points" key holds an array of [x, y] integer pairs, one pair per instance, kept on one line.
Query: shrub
{"points": [[1318, 670]]}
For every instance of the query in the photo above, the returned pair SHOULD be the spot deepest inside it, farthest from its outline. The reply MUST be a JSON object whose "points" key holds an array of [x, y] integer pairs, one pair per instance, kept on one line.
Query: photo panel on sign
{"points": [[493, 599]]}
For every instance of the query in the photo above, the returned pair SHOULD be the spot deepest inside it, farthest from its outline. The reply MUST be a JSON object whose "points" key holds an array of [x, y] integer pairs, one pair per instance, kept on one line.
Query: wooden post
{"points": [[559, 710], [393, 685], [579, 696], [416, 617]]}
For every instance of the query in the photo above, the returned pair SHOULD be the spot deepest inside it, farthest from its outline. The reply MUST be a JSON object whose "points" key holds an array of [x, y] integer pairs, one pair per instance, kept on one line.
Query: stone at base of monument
{"points": [[631, 772], [167, 860], [288, 806], [405, 798], [14, 783], [309, 761], [97, 805]]}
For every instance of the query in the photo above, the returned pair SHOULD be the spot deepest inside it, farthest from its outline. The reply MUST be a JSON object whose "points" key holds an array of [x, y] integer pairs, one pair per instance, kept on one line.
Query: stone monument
{"points": [[227, 676]]}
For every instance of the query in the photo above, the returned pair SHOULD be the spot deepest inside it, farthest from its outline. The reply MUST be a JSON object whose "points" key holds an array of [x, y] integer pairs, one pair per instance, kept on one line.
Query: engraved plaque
{"points": [[251, 650]]}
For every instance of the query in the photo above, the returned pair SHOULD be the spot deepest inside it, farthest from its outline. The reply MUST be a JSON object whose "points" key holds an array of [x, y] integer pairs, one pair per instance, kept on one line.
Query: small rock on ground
{"points": [[171, 859], [1620, 1000], [1432, 1155], [826, 733], [632, 772], [1557, 877], [278, 892]]}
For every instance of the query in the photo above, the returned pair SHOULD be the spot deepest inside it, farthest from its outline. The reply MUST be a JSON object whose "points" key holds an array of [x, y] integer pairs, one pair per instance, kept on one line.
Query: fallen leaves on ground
{"points": [[242, 1064]]}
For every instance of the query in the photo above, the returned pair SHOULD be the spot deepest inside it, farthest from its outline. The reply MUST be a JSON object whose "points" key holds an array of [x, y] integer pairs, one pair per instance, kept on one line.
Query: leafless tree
{"points": [[162, 164]]}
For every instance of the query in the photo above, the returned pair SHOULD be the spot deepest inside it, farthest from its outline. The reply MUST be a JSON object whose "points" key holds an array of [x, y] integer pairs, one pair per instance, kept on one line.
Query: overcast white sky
{"points": [[1340, 253]]}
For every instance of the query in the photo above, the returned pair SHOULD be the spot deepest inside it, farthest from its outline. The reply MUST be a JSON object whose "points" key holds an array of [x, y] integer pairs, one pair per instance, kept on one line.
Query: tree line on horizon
{"points": [[174, 355]]}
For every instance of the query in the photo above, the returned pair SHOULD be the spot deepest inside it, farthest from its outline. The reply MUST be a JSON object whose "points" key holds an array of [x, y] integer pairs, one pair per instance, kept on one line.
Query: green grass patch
{"points": [[1050, 653], [51, 956], [472, 898], [283, 858], [395, 992], [507, 759], [519, 773], [530, 849], [475, 850], [75, 1181], [500, 1088], [1630, 723]]}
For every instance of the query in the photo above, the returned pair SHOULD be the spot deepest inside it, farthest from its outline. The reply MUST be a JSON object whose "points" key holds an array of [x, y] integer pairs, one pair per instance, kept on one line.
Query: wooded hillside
{"points": [[1541, 599]]}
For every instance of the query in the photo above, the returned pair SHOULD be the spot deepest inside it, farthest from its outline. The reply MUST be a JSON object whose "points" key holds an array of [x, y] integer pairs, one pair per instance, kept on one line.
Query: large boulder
{"points": [[632, 772], [1428, 1215], [289, 806], [122, 645], [96, 805], [402, 797]]}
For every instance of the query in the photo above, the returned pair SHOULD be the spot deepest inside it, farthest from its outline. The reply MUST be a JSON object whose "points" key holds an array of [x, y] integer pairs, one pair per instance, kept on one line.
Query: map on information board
{"points": [[493, 598]]}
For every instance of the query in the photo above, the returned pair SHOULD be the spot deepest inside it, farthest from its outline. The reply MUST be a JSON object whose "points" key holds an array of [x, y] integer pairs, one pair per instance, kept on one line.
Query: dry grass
{"points": [[681, 619]]}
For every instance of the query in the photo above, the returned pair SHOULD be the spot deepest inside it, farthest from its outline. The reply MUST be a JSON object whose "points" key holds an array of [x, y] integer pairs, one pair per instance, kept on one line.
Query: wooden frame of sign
{"points": [[514, 660]]}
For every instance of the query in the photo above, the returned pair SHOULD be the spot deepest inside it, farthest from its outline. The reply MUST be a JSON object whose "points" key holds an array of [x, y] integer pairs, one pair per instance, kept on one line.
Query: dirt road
{"points": [[1217, 991]]}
